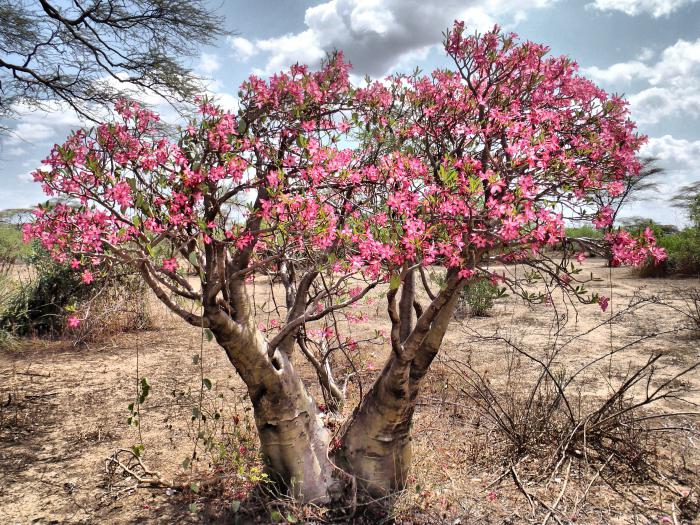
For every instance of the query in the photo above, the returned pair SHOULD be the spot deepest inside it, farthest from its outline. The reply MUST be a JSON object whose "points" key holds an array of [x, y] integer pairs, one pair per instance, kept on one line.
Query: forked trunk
{"points": [[376, 440], [375, 444], [293, 439]]}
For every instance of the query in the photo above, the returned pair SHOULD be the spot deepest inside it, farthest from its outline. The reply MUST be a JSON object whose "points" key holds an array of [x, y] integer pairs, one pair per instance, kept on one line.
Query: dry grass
{"points": [[64, 413]]}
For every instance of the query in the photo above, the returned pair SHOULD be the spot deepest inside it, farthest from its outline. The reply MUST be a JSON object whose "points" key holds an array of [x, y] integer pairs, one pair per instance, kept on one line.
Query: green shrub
{"points": [[584, 231], [683, 250], [478, 297], [41, 305], [12, 249]]}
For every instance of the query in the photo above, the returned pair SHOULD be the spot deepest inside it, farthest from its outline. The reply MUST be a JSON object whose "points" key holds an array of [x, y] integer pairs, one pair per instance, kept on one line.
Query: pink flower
{"points": [[603, 302], [73, 321], [170, 265], [580, 257], [465, 273], [615, 188], [354, 292], [88, 277], [604, 218]]}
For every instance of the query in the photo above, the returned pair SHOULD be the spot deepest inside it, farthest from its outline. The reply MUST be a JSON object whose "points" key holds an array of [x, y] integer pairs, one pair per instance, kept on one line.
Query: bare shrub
{"points": [[538, 406], [690, 307], [116, 305]]}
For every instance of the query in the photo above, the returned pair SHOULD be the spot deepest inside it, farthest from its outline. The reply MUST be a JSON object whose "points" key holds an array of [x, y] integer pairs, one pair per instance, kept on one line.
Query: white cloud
{"points": [[675, 154], [209, 63], [242, 47], [27, 175], [37, 127], [620, 73], [377, 35], [303, 47], [680, 160], [655, 8], [657, 104], [646, 54], [672, 83]]}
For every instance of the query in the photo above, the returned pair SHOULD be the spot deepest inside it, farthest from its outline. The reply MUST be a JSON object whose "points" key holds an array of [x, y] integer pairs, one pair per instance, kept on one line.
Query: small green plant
{"points": [[478, 297], [38, 306]]}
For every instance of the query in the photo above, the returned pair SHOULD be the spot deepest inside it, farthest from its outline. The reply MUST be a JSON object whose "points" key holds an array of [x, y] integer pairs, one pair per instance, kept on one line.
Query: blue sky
{"points": [[648, 50]]}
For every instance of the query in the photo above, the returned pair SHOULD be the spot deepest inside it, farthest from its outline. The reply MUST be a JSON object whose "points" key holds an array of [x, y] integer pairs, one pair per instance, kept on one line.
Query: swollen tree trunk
{"points": [[293, 439], [376, 440]]}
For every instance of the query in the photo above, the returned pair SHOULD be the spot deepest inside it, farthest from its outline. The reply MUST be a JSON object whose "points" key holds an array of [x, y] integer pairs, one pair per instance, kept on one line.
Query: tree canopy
{"points": [[334, 190], [85, 53]]}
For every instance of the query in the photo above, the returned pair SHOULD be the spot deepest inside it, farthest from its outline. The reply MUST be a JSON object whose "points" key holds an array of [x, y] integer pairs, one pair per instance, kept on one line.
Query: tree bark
{"points": [[293, 439], [408, 295], [376, 440]]}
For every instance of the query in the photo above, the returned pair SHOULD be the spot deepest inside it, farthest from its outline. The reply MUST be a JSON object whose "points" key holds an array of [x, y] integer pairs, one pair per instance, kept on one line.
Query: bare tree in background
{"points": [[688, 198], [86, 53]]}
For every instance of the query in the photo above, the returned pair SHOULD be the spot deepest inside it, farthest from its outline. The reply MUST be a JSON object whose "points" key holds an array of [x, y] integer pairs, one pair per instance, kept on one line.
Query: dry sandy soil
{"points": [[64, 411]]}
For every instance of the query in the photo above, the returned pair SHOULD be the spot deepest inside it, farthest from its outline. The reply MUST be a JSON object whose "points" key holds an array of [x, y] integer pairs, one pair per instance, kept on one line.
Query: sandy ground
{"points": [[64, 411]]}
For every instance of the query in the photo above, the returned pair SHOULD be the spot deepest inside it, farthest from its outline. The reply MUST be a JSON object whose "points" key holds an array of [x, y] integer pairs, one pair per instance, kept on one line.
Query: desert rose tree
{"points": [[334, 190]]}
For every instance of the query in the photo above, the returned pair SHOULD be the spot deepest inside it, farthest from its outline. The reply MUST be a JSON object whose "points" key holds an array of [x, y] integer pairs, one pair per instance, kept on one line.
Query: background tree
{"points": [[622, 193], [332, 191], [85, 53], [688, 199]]}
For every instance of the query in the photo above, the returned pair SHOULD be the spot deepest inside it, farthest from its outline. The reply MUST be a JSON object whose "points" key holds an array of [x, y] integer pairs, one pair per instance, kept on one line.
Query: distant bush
{"points": [[114, 301], [683, 250], [587, 231], [7, 340], [12, 249], [478, 296]]}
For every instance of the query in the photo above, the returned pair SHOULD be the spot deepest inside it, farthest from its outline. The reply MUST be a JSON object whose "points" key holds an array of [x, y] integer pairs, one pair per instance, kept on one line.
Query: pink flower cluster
{"points": [[634, 251], [483, 158]]}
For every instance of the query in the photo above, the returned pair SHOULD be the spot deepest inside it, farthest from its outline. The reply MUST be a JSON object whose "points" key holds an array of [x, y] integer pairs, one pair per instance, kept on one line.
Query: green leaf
{"points": [[395, 281], [242, 126], [145, 389], [275, 516], [193, 508], [138, 450], [235, 506], [447, 176], [194, 487], [195, 359], [185, 463], [207, 383], [292, 519], [208, 334]]}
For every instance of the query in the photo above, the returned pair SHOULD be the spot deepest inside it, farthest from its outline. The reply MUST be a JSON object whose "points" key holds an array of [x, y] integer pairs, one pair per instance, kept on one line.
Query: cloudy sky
{"points": [[649, 50]]}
